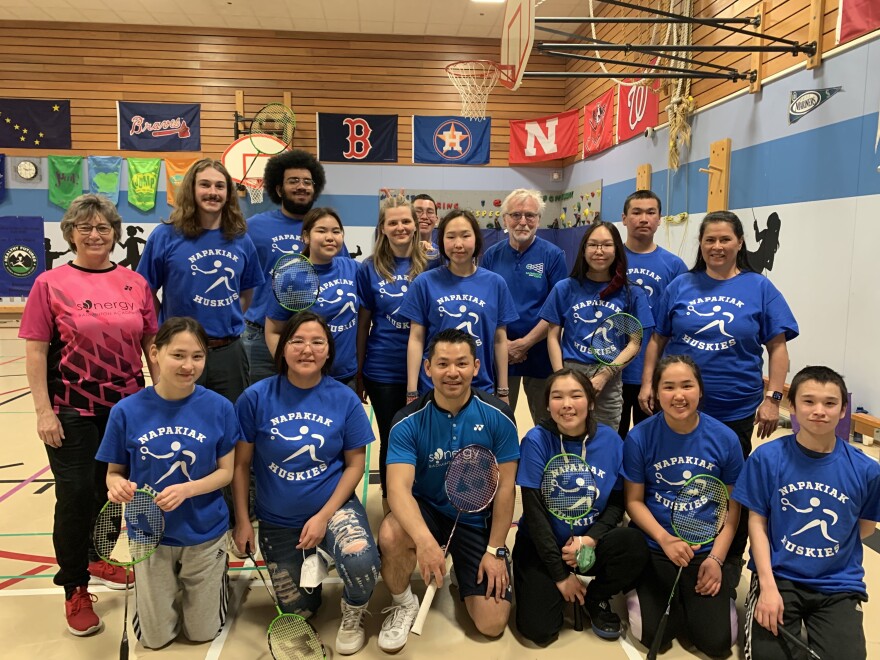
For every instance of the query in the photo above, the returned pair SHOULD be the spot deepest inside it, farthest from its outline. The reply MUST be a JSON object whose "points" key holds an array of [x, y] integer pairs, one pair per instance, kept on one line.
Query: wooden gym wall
{"points": [[96, 65]]}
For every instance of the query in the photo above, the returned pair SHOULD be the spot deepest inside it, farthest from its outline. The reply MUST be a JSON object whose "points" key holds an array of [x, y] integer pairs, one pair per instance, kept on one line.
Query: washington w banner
{"points": [[159, 126], [357, 138], [545, 138], [28, 123], [451, 140], [22, 253], [638, 108]]}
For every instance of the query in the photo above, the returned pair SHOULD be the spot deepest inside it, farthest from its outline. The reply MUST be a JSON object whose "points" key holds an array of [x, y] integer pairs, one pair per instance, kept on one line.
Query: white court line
{"points": [[629, 649], [239, 588]]}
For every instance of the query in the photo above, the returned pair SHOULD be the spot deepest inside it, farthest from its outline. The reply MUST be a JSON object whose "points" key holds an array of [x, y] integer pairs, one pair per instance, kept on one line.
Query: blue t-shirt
{"points": [[652, 272], [201, 277], [338, 303], [530, 276], [663, 460], [604, 455], [479, 304], [813, 507], [172, 442], [274, 235], [299, 437], [576, 307], [723, 325], [389, 334], [427, 437]]}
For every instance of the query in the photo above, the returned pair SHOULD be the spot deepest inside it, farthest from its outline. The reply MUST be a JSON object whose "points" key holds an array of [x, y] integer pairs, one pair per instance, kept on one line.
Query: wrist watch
{"points": [[500, 553], [776, 396]]}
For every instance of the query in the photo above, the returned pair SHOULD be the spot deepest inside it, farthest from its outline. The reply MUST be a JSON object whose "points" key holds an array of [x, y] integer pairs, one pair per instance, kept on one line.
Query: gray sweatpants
{"points": [[199, 573], [608, 406]]}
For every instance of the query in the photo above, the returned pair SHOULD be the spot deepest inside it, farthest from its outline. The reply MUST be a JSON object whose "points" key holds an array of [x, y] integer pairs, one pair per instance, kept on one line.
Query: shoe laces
{"points": [[351, 617], [399, 615], [82, 598]]}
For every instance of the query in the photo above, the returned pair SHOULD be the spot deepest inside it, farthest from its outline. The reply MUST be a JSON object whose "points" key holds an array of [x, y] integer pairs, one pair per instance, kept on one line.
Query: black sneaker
{"points": [[606, 624]]}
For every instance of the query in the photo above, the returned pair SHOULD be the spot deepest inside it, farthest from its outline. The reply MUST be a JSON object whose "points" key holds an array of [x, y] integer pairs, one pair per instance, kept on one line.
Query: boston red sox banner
{"points": [[638, 108], [357, 138], [599, 124], [545, 138], [159, 126]]}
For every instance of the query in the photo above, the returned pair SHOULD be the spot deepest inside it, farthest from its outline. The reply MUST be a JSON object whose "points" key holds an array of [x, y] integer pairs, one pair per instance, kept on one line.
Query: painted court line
{"points": [[24, 483], [20, 357], [238, 591], [31, 573]]}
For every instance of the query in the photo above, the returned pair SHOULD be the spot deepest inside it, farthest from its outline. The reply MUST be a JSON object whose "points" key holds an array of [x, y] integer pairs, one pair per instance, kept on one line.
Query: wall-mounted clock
{"points": [[26, 169]]}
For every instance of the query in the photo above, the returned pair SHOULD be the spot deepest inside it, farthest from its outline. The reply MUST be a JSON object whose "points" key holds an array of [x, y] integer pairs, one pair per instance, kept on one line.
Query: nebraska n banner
{"points": [[159, 126], [357, 138], [546, 138]]}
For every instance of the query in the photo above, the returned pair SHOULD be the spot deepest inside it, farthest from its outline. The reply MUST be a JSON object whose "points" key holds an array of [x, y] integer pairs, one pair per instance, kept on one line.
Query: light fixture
{"points": [[489, 2]]}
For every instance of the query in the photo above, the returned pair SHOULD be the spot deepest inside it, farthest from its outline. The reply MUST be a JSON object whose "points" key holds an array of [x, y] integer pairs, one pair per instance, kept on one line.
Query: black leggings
{"points": [[386, 399]]}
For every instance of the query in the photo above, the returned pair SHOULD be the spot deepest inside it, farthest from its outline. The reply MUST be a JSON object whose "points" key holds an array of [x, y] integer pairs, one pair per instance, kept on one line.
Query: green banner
{"points": [[65, 179], [143, 182]]}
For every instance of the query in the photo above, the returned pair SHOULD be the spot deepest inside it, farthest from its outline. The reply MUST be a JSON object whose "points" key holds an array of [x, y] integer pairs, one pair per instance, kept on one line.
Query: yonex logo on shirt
{"points": [[478, 427]]}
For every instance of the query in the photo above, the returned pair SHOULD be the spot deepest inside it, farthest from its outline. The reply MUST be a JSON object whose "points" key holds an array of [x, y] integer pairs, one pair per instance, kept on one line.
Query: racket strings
{"points": [[275, 119], [472, 479], [568, 487], [292, 638], [700, 510], [128, 533], [295, 282], [613, 336]]}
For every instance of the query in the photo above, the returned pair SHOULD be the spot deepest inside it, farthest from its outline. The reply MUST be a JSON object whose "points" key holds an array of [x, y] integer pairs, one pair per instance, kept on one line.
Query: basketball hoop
{"points": [[255, 190], [473, 79]]}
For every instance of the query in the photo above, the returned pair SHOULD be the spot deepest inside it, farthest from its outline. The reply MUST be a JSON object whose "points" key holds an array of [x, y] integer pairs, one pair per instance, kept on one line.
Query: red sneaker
{"points": [[81, 618], [112, 577]]}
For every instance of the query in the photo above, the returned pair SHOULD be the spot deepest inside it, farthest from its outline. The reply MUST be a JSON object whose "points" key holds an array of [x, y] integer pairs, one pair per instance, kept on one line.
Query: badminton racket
{"points": [[617, 340], [568, 489], [274, 119], [295, 282], [698, 516], [797, 641], [471, 482], [126, 534], [290, 636]]}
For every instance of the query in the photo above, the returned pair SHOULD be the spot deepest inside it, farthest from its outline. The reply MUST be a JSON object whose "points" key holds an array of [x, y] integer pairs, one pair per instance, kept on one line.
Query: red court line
{"points": [[12, 360], [20, 389], [24, 483], [6, 554], [33, 571]]}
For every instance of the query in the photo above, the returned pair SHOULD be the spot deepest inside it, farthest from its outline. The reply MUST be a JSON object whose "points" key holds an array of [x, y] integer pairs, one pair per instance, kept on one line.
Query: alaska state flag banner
{"points": [[451, 140], [32, 123], [357, 138], [159, 126]]}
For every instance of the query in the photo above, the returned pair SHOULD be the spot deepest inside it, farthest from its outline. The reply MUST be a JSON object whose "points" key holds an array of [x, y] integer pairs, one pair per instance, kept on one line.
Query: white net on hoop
{"points": [[473, 79], [255, 190]]}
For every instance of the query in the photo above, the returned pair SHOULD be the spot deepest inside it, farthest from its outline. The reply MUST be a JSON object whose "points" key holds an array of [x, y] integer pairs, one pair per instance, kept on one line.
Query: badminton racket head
{"points": [[295, 282], [617, 340], [273, 119], [568, 487], [700, 509], [472, 479], [291, 637], [126, 534]]}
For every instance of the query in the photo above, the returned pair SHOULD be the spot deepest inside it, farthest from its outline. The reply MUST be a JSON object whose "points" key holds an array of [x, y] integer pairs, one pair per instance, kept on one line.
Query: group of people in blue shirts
{"points": [[440, 339]]}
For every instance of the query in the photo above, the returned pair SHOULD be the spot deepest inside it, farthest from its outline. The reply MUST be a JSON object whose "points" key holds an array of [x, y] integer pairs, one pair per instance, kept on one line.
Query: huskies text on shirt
{"points": [[427, 437], [604, 455], [386, 343], [299, 437], [94, 322], [201, 277], [338, 304], [812, 507], [663, 460], [576, 307], [652, 273], [172, 442], [479, 304], [723, 325], [530, 276]]}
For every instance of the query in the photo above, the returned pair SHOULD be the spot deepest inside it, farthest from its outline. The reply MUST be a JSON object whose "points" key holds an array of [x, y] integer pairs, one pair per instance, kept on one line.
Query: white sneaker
{"points": [[351, 636], [395, 628]]}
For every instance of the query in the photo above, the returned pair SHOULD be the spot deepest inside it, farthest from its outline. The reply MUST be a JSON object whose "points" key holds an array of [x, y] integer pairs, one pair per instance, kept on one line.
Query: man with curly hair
{"points": [[293, 179]]}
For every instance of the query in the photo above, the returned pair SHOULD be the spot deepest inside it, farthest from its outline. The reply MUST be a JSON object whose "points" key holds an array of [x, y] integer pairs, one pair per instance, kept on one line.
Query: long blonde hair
{"points": [[383, 255]]}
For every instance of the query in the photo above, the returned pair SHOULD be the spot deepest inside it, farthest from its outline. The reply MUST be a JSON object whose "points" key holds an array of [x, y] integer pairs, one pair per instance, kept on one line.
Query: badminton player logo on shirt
{"points": [[811, 520], [709, 323], [305, 440], [286, 244], [214, 275], [179, 461], [588, 316], [338, 303], [461, 307], [395, 290], [647, 279]]}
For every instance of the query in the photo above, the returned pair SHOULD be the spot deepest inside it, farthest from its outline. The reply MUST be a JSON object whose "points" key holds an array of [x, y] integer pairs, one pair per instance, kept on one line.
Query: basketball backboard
{"points": [[517, 38], [246, 158]]}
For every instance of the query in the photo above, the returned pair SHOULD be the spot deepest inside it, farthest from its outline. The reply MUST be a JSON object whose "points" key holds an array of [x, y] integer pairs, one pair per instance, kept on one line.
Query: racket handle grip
{"points": [[578, 623], [658, 637], [123, 649], [419, 623]]}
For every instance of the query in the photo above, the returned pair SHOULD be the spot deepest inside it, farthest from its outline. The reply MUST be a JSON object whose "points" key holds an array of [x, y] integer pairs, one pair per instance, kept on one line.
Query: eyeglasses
{"points": [[86, 229], [605, 247], [430, 213], [516, 216], [295, 181], [300, 344]]}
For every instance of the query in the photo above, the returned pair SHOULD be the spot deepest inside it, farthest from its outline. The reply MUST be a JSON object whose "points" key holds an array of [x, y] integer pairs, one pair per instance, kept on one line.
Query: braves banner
{"points": [[857, 17], [451, 140], [638, 108], [26, 123], [598, 124], [104, 176], [22, 251], [545, 138], [357, 138], [159, 126]]}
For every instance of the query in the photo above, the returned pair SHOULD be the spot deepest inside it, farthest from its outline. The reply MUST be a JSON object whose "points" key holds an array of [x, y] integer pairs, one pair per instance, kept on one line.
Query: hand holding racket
{"points": [[126, 534], [698, 516], [771, 619], [290, 636], [295, 282], [569, 491], [471, 483], [618, 340]]}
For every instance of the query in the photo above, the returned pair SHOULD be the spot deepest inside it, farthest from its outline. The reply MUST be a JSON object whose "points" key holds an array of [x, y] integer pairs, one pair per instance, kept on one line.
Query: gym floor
{"points": [[32, 612]]}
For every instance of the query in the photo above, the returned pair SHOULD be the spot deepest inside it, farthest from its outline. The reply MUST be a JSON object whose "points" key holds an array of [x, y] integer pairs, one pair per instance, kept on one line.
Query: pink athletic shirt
{"points": [[94, 322]]}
